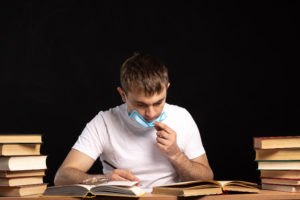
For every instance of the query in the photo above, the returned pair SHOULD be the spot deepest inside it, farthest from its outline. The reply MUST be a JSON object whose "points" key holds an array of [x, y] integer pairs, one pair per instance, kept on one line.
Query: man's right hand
{"points": [[121, 175]]}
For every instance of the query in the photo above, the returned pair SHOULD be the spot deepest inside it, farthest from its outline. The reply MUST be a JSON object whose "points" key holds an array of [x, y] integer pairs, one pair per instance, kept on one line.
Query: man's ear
{"points": [[168, 85], [122, 94]]}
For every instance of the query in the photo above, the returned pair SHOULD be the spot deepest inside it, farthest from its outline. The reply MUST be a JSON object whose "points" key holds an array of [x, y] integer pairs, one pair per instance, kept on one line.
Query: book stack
{"points": [[278, 160], [22, 167]]}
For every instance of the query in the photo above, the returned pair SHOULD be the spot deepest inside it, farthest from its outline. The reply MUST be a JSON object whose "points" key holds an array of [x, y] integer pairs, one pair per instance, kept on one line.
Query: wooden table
{"points": [[263, 195]]}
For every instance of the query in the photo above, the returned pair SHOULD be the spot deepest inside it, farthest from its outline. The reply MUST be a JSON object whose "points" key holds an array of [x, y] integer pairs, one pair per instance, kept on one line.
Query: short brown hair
{"points": [[144, 72]]}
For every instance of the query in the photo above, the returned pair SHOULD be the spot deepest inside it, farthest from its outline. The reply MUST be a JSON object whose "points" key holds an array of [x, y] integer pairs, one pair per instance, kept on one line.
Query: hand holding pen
{"points": [[114, 175], [96, 180], [120, 174]]}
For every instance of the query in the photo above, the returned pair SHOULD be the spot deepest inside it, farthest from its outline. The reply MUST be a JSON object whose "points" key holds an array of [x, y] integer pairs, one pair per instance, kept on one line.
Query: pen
{"points": [[109, 164]]}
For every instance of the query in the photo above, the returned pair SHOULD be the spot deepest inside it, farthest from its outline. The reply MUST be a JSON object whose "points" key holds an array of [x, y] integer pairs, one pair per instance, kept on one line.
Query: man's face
{"points": [[150, 107]]}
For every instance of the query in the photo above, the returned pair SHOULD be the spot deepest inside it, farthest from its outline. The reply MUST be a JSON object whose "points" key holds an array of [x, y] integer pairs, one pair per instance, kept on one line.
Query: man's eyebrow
{"points": [[158, 101]]}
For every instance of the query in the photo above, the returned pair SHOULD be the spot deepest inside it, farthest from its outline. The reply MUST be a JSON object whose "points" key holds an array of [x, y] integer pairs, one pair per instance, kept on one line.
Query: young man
{"points": [[145, 139]]}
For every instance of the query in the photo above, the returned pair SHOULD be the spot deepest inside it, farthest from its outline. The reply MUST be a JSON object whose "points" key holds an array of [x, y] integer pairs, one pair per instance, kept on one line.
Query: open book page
{"points": [[129, 188], [238, 183], [112, 188], [189, 188], [120, 183], [239, 186], [205, 187], [114, 183], [191, 183]]}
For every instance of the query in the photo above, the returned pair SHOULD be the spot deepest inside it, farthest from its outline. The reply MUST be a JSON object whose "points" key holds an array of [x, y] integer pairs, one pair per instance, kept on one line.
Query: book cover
{"points": [[281, 181], [276, 142], [19, 181], [16, 163], [284, 188], [280, 174], [277, 154], [20, 138], [278, 165], [25, 190], [19, 149]]}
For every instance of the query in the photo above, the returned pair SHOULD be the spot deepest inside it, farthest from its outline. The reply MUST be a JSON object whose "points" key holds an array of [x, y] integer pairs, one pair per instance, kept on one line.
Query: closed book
{"points": [[20, 138], [281, 181], [276, 142], [15, 163], [12, 149], [21, 181], [22, 173], [284, 188], [279, 165], [280, 174], [278, 154], [25, 190]]}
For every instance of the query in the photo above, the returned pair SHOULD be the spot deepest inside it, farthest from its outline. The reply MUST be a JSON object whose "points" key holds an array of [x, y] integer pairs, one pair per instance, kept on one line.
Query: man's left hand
{"points": [[166, 140]]}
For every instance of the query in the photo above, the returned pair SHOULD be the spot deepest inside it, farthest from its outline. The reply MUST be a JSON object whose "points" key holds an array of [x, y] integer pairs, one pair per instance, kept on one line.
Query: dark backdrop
{"points": [[232, 65]]}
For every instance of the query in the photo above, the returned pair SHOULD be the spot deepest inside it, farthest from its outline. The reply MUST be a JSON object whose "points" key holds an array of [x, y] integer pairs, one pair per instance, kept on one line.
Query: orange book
{"points": [[276, 142], [25, 190]]}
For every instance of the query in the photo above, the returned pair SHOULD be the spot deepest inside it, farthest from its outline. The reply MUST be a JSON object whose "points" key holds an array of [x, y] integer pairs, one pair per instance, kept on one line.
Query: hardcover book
{"points": [[111, 188], [24, 190], [276, 142], [20, 149], [205, 187], [279, 165], [21, 181], [281, 181], [284, 188], [294, 174], [20, 138], [278, 154], [15, 163]]}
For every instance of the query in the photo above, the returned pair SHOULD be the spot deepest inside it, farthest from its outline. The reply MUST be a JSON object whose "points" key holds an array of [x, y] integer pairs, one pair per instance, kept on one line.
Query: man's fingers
{"points": [[163, 134], [161, 126], [162, 141], [116, 177], [125, 175], [157, 127]]}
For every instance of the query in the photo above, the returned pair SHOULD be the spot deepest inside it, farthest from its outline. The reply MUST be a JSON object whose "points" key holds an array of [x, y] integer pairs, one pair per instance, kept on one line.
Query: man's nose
{"points": [[150, 112]]}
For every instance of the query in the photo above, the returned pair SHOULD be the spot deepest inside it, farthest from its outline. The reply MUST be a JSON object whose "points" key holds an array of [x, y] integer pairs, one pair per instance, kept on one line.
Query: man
{"points": [[145, 139]]}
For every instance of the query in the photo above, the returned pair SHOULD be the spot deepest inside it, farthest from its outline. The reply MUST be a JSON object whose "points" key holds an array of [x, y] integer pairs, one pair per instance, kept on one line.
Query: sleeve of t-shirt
{"points": [[193, 147], [90, 142]]}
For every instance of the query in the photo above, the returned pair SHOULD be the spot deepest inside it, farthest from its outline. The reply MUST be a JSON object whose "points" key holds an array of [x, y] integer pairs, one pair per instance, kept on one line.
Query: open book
{"points": [[111, 188], [205, 187]]}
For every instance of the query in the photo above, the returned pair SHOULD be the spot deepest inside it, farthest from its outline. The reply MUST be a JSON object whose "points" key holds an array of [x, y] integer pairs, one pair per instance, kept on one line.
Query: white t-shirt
{"points": [[114, 137]]}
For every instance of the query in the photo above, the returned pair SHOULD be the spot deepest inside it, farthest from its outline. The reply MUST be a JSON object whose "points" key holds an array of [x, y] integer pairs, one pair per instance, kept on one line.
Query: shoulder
{"points": [[176, 110], [115, 111], [178, 117], [104, 116]]}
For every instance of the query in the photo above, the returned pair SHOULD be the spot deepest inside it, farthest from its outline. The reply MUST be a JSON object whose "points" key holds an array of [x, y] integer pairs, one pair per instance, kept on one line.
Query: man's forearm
{"points": [[189, 170], [70, 175]]}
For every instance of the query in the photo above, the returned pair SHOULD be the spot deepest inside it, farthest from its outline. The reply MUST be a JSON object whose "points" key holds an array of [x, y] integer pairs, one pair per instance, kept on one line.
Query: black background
{"points": [[232, 65]]}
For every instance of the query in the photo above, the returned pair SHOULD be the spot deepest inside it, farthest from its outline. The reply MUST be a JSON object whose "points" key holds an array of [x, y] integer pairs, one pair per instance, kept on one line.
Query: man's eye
{"points": [[157, 104]]}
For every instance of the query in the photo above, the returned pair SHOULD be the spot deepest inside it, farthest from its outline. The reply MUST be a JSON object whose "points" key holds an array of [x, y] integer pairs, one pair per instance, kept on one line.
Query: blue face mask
{"points": [[139, 119]]}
